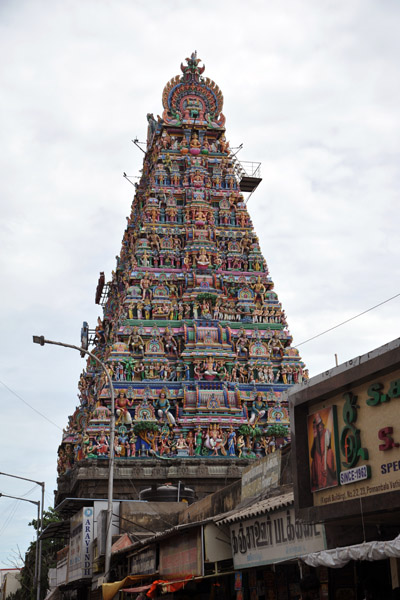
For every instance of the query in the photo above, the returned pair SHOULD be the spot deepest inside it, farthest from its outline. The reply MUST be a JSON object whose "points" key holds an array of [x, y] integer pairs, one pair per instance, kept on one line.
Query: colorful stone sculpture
{"points": [[193, 334]]}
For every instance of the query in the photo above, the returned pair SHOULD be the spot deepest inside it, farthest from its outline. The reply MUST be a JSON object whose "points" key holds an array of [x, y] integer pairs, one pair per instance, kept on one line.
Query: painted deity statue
{"points": [[198, 441], [135, 342], [122, 403], [257, 409], [203, 261], [231, 442], [102, 444], [162, 406], [194, 142]]}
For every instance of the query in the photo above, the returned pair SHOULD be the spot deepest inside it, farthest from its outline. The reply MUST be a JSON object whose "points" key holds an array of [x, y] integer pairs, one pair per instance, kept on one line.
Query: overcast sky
{"points": [[312, 91]]}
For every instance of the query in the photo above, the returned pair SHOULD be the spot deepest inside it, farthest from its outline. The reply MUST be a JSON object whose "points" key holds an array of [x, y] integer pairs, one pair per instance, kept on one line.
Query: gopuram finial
{"points": [[192, 71], [192, 97]]}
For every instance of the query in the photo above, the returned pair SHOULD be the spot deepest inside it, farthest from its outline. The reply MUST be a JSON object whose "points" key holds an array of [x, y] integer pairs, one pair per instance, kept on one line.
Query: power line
{"points": [[347, 321], [10, 516], [30, 406]]}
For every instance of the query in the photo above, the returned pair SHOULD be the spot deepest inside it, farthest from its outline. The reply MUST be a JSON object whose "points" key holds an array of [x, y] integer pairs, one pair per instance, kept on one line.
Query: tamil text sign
{"points": [[274, 537]]}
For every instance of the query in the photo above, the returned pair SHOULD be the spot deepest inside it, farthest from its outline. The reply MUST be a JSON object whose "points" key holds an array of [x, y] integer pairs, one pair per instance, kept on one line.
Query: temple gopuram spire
{"points": [[193, 333]]}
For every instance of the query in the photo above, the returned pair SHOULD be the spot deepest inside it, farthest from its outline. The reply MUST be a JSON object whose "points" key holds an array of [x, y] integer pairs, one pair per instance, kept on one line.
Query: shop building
{"points": [[242, 542], [346, 470]]}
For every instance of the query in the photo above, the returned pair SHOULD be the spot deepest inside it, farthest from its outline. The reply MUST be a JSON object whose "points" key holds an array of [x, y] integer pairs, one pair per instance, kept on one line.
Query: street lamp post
{"points": [[42, 341], [38, 567], [37, 502]]}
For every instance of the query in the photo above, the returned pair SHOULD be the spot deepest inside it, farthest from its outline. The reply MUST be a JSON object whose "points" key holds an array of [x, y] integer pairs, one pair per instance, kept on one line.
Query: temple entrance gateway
{"points": [[192, 332]]}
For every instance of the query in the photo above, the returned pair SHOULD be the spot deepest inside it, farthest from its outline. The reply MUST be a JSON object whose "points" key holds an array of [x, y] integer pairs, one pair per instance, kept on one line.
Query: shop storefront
{"points": [[189, 561], [266, 541], [346, 469]]}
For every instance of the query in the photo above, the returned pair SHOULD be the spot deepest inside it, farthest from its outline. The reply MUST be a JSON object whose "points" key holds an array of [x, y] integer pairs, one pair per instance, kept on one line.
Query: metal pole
{"points": [[38, 589], [41, 340], [37, 554], [38, 566], [37, 548]]}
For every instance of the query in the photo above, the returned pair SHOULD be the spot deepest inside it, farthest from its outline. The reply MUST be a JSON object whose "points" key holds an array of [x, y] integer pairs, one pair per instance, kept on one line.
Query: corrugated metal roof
{"points": [[160, 535], [259, 508]]}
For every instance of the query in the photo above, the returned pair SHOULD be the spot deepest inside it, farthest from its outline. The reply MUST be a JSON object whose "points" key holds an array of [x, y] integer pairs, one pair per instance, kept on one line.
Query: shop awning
{"points": [[338, 557], [168, 587], [141, 588], [110, 589], [259, 508]]}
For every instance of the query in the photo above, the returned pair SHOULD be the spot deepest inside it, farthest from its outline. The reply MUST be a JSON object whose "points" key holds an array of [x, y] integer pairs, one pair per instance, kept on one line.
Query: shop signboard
{"points": [[357, 454], [274, 537], [80, 545], [143, 562], [217, 545], [264, 475], [181, 556]]}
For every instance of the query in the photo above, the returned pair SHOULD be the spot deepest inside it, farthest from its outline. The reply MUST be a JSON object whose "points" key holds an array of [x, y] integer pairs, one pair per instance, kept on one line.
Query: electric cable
{"points": [[347, 321], [30, 406]]}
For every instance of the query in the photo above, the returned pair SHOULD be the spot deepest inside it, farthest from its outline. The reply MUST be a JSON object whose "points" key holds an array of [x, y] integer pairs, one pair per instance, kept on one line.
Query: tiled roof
{"points": [[259, 508]]}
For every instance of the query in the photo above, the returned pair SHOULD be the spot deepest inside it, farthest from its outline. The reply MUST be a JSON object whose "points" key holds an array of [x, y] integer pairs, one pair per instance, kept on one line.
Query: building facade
{"points": [[346, 469]]}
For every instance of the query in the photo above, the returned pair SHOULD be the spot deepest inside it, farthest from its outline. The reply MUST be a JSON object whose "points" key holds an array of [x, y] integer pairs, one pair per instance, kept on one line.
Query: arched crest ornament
{"points": [[144, 411], [193, 99]]}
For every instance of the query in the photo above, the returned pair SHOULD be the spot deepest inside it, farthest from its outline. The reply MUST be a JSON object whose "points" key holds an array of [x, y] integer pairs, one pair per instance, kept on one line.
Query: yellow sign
{"points": [[365, 440]]}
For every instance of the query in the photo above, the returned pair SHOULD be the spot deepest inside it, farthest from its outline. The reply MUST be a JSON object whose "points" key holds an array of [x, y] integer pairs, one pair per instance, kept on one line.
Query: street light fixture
{"points": [[40, 339], [38, 558], [37, 502]]}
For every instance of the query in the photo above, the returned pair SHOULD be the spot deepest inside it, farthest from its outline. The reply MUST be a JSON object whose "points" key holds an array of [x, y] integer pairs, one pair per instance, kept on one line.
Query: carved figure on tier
{"points": [[163, 406], [276, 346], [231, 442], [194, 142], [190, 443], [181, 446], [205, 309], [203, 261], [135, 342], [122, 404], [170, 343], [102, 444], [260, 289], [190, 306], [132, 444], [223, 145], [242, 344], [145, 284], [198, 441], [240, 445], [209, 372], [258, 409]]}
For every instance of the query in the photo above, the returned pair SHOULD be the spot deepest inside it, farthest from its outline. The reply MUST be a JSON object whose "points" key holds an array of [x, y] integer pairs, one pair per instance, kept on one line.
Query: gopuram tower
{"points": [[193, 334]]}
